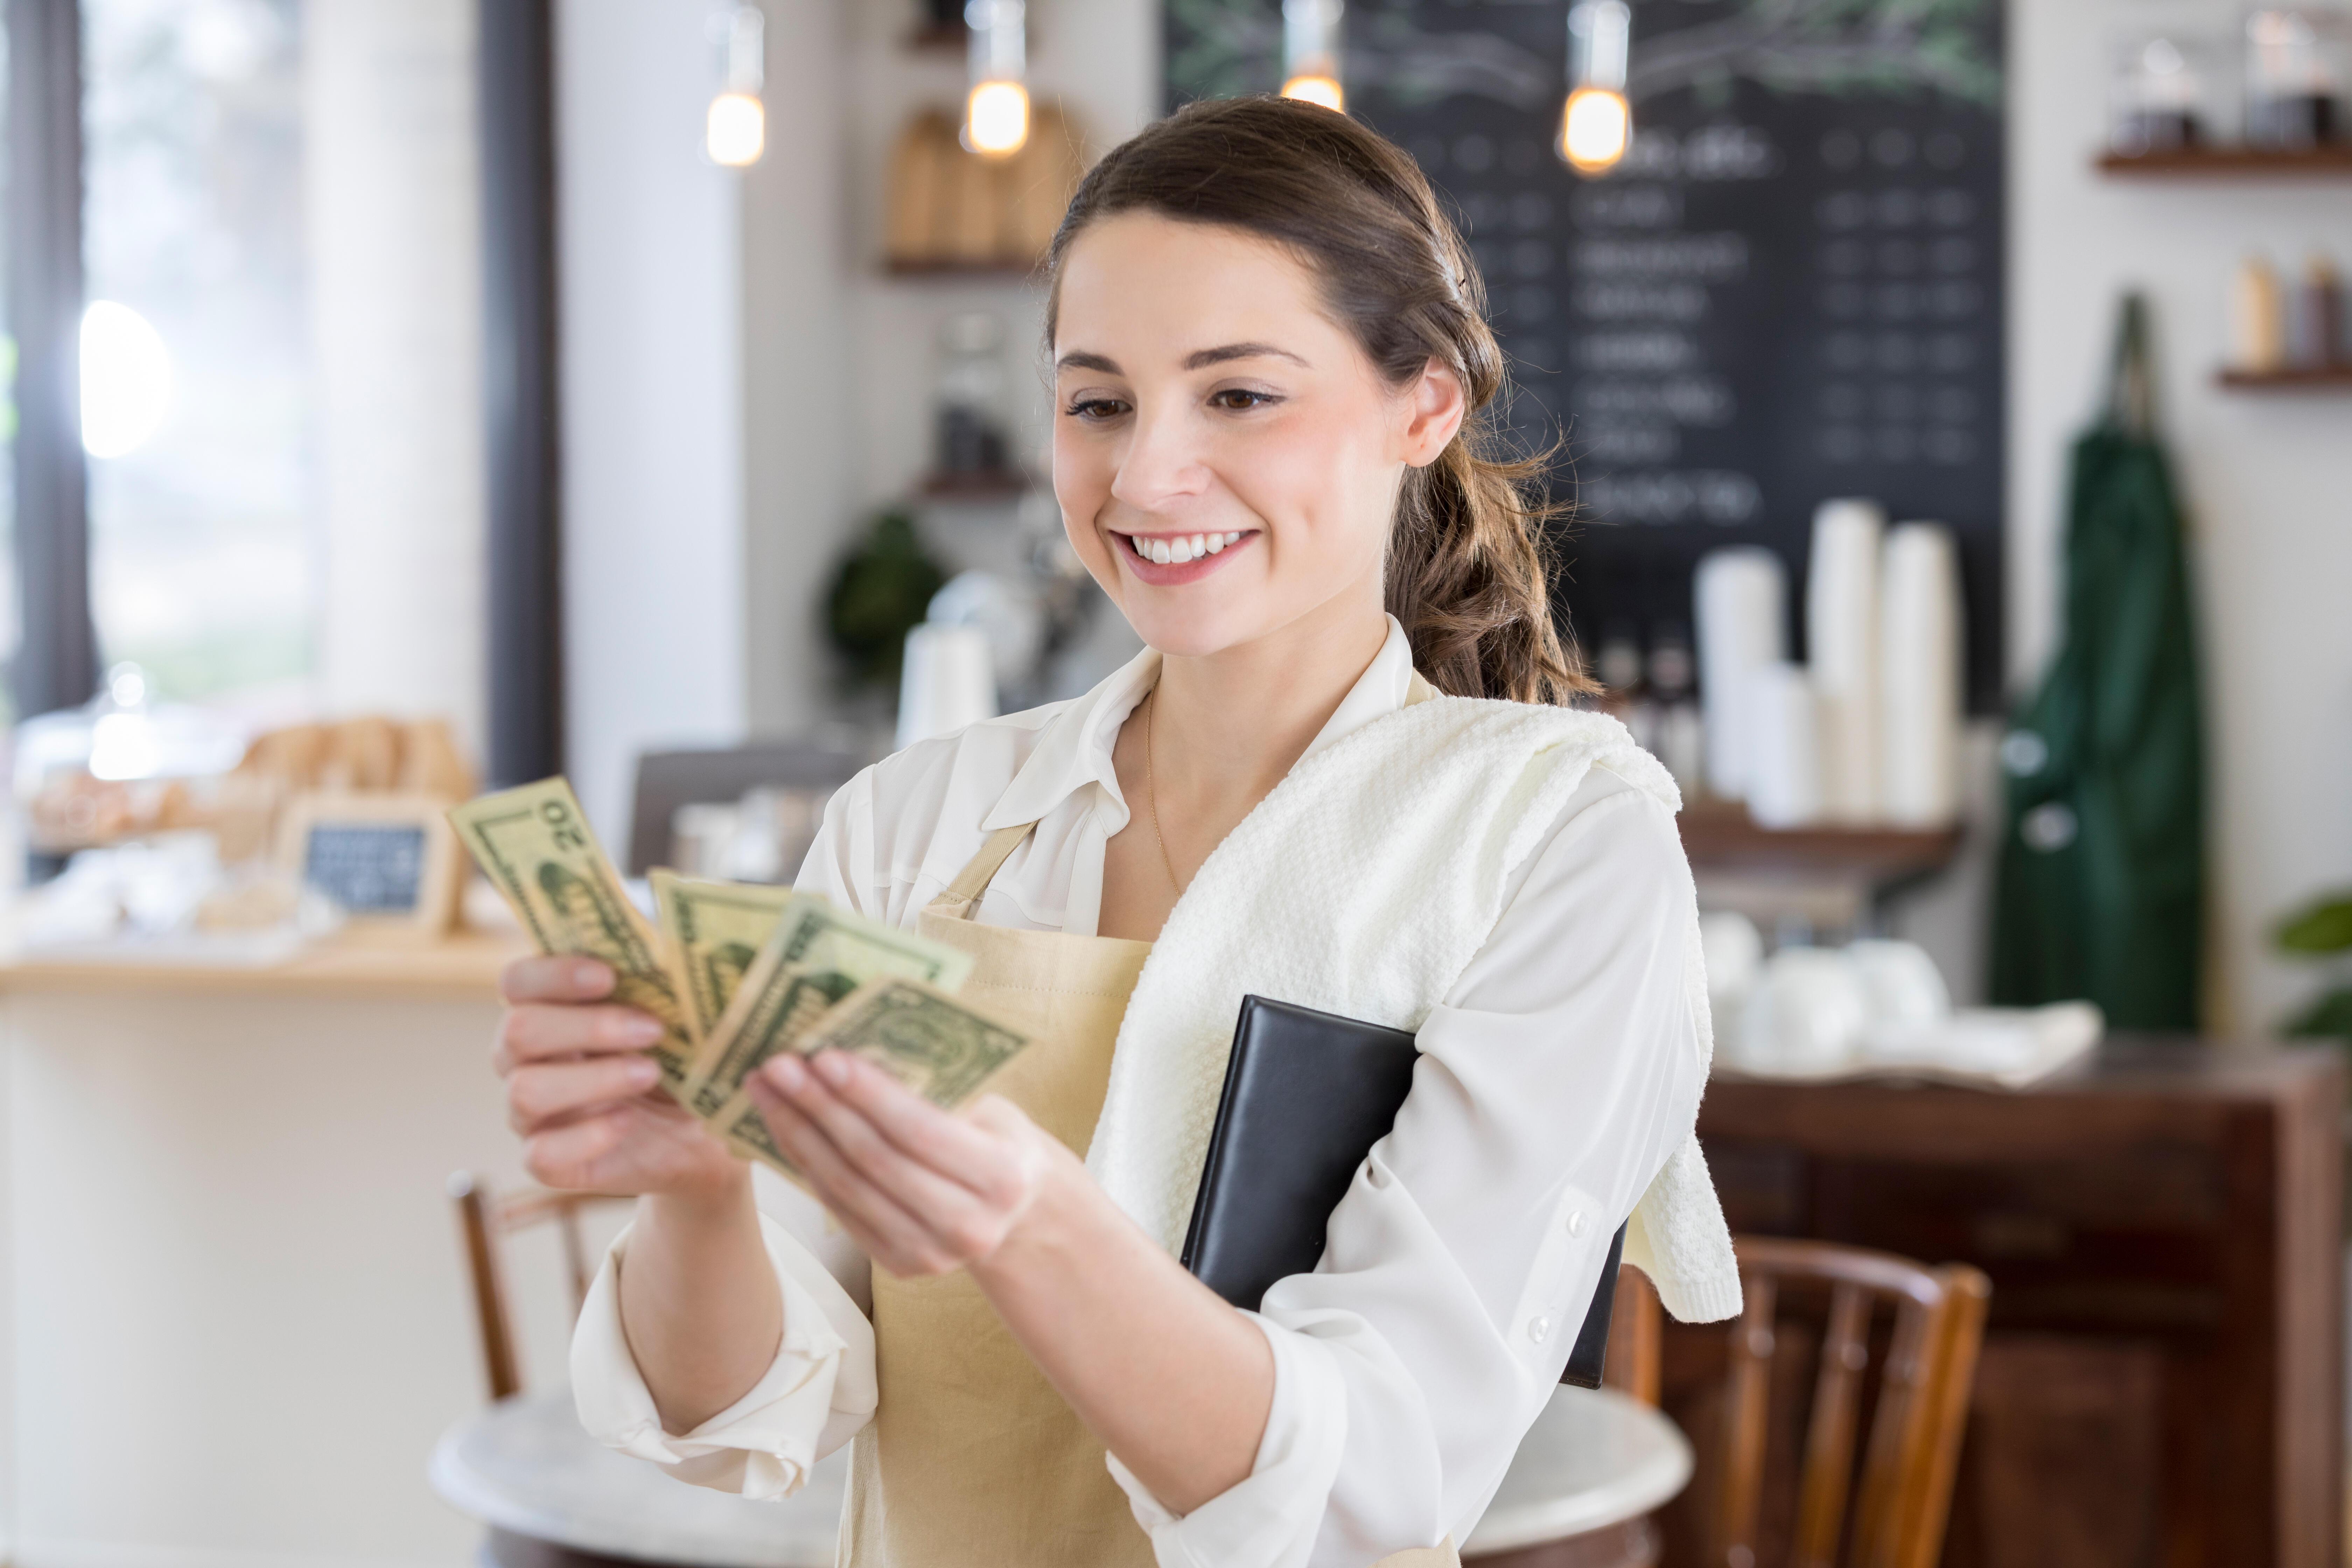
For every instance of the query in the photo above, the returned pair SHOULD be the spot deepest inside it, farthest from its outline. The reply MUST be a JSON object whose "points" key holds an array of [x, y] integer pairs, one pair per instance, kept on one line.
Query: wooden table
{"points": [[2163, 1373], [1584, 1480]]}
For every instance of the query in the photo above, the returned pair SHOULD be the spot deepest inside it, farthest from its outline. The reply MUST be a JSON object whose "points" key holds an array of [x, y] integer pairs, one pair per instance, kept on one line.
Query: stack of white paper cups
{"points": [[1742, 596], [1920, 677], [947, 682], [1842, 634]]}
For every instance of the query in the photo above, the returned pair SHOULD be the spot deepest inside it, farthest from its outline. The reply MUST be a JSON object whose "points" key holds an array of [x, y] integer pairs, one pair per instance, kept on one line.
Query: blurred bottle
{"points": [[1680, 738], [2314, 317], [2257, 327]]}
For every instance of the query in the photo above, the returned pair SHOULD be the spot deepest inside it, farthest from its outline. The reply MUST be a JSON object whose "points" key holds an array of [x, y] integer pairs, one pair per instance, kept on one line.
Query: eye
{"points": [[1097, 410], [1241, 399]]}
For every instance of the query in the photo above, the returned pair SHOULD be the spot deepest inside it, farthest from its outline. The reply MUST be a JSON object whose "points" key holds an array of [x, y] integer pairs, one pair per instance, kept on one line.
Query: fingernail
{"points": [[643, 1073], [786, 1073], [834, 1066], [587, 973], [642, 1029]]}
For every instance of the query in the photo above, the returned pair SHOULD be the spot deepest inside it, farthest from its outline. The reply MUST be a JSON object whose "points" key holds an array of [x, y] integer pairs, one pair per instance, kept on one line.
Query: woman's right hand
{"points": [[584, 1097]]}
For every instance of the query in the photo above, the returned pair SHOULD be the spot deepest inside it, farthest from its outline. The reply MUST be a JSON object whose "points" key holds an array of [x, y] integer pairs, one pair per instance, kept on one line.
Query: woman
{"points": [[1272, 385]]}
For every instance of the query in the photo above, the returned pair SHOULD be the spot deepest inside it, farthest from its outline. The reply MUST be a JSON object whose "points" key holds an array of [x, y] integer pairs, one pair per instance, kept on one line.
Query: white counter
{"points": [[232, 1304]]}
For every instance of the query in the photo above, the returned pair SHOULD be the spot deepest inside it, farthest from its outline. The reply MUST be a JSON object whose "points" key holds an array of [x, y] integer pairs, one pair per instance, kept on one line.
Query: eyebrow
{"points": [[1199, 358]]}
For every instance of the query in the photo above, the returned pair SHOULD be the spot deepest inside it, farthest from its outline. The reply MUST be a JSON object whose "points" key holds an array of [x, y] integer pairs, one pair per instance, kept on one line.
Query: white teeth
{"points": [[1216, 543], [1200, 545], [1180, 550], [1159, 551]]}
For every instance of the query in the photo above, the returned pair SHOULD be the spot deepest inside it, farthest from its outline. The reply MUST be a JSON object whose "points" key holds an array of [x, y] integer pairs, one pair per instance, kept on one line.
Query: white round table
{"points": [[1594, 1458], [524, 1466]]}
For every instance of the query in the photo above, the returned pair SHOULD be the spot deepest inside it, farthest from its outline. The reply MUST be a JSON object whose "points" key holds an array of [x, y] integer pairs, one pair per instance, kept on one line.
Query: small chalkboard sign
{"points": [[387, 858]]}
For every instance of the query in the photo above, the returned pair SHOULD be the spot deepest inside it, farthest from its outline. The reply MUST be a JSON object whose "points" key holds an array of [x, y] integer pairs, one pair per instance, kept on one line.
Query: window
{"points": [[195, 369]]}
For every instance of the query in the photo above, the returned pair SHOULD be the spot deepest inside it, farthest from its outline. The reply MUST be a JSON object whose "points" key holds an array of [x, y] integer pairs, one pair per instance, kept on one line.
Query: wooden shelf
{"points": [[1721, 835], [938, 38], [1008, 271], [1006, 485], [2335, 378], [2231, 162]]}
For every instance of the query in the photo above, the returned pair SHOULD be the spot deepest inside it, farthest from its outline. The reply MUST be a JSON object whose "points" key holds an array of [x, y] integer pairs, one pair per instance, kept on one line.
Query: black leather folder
{"points": [[1307, 1095]]}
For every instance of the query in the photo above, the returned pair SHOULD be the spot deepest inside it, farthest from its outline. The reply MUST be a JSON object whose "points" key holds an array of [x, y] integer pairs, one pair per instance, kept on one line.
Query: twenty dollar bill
{"points": [[534, 844], [919, 1033], [814, 957]]}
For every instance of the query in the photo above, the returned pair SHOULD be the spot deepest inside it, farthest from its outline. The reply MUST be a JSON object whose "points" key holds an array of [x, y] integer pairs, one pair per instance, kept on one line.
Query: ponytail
{"points": [[1468, 569]]}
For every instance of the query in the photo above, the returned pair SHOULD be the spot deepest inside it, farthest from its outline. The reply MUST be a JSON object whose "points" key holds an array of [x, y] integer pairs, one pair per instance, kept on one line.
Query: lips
{"points": [[1167, 560]]}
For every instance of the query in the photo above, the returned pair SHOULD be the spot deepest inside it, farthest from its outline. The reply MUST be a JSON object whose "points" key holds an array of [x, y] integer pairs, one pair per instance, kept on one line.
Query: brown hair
{"points": [[1468, 573]]}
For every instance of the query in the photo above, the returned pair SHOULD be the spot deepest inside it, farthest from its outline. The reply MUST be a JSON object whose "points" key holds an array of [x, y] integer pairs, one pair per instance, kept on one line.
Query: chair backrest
{"points": [[1896, 1515], [667, 779], [484, 1221], [1898, 1509]]}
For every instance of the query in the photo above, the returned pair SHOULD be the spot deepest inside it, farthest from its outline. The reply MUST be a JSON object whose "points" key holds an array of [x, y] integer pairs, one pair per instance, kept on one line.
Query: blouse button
{"points": [[1576, 1222], [1538, 1328]]}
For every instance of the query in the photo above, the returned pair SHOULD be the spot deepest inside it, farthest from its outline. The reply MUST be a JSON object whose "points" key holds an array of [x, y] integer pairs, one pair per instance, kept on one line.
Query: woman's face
{"points": [[1227, 458]]}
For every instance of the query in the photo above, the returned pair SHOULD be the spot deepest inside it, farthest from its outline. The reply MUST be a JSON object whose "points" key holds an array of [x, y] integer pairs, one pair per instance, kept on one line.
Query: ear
{"points": [[1434, 408]]}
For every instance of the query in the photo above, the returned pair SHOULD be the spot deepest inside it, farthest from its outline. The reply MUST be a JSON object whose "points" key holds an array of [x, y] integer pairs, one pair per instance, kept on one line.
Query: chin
{"points": [[1193, 631]]}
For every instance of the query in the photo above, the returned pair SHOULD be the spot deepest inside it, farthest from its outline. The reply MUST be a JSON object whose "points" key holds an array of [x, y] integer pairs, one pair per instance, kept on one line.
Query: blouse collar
{"points": [[1074, 749]]}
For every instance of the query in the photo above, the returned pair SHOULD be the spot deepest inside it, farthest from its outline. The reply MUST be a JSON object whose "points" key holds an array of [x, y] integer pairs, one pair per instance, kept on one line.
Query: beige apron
{"points": [[971, 1459]]}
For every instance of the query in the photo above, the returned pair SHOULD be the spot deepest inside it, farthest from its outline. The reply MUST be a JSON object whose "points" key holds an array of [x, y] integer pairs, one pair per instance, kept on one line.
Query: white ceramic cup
{"points": [[1807, 1013]]}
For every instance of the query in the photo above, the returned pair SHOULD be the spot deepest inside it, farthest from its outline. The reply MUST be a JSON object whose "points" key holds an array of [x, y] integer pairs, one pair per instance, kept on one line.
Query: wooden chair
{"points": [[1898, 1510], [484, 1221]]}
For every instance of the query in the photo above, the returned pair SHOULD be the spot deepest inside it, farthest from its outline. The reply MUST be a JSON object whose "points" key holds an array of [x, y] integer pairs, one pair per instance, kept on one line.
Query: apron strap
{"points": [[973, 879]]}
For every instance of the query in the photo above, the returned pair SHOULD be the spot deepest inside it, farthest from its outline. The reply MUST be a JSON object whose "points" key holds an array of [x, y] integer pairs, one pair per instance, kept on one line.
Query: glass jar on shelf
{"points": [[972, 396], [2295, 68], [2160, 97]]}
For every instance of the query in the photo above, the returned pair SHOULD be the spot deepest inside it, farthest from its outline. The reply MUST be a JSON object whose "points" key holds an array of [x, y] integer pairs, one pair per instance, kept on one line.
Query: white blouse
{"points": [[1570, 1065]]}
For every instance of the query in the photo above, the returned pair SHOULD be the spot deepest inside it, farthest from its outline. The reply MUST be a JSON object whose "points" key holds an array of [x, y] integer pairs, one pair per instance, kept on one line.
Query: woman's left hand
{"points": [[922, 1191]]}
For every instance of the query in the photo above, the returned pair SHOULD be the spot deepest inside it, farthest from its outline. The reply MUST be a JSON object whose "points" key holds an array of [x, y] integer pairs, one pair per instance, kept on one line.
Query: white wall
{"points": [[2267, 479], [393, 196], [650, 261], [798, 265]]}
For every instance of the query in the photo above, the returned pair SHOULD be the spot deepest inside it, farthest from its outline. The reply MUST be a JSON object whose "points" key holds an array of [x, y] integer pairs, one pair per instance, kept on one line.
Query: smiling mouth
{"points": [[1166, 550]]}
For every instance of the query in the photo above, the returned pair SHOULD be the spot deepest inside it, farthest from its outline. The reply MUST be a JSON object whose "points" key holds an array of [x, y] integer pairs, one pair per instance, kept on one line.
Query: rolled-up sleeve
{"points": [[1560, 1072], [814, 1397]]}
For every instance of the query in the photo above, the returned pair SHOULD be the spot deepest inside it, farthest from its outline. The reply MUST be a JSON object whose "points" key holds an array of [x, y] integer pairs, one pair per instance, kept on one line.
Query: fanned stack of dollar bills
{"points": [[736, 972]]}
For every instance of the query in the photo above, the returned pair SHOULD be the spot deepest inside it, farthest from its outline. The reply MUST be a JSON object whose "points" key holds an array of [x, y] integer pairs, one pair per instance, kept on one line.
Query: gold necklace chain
{"points": [[1151, 793]]}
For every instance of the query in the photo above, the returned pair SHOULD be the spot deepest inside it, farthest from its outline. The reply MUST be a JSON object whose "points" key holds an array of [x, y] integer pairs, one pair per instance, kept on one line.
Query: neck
{"points": [[1229, 725]]}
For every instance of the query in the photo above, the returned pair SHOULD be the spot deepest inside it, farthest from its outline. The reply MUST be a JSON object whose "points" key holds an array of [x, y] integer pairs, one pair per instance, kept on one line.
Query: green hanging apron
{"points": [[2100, 889]]}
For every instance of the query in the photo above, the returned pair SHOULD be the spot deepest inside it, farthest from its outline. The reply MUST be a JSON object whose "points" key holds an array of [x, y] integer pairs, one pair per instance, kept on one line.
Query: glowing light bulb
{"points": [[1597, 123], [996, 119], [1594, 129], [126, 379], [1317, 89], [736, 132]]}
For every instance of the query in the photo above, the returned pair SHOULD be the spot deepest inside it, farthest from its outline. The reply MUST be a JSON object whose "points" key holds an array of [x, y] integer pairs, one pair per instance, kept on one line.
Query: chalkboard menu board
{"points": [[1790, 290]]}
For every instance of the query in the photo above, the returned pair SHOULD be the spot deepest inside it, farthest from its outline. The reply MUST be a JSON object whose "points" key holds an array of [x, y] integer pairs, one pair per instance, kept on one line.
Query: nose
{"points": [[1160, 464]]}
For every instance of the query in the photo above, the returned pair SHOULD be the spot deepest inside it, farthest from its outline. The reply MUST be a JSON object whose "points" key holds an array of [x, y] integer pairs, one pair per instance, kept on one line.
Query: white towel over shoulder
{"points": [[1363, 885]]}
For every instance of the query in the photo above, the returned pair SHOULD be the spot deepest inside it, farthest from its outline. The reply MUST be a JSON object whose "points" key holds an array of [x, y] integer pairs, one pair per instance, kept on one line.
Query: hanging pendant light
{"points": [[996, 112], [1310, 52], [1597, 124], [735, 132]]}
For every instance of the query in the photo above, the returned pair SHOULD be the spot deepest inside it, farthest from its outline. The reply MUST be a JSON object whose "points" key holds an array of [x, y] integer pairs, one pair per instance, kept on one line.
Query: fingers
{"points": [[914, 1126], [878, 1223], [570, 1156], [962, 1216], [542, 1094], [555, 979], [535, 1032]]}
